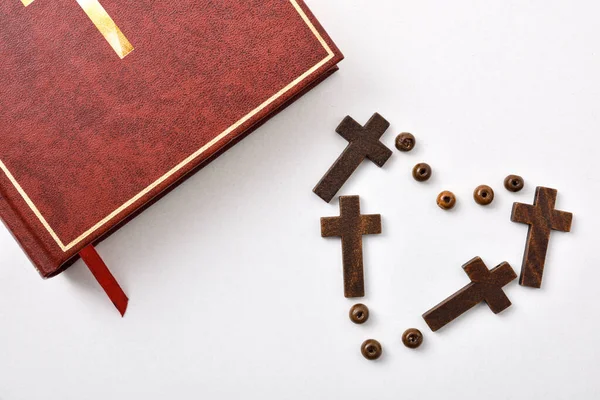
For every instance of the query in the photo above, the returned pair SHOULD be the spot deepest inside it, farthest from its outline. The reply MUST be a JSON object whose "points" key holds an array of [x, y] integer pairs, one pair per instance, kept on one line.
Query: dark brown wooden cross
{"points": [[350, 226], [542, 218], [364, 143], [485, 286]]}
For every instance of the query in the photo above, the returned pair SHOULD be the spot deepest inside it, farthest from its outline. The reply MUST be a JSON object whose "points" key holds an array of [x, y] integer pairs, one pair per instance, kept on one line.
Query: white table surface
{"points": [[234, 294]]}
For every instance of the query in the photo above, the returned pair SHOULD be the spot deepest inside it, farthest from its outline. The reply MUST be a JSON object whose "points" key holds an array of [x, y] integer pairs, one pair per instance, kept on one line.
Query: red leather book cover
{"points": [[106, 105]]}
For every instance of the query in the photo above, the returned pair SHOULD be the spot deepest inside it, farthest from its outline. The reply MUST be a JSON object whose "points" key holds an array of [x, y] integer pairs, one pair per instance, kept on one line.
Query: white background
{"points": [[234, 294]]}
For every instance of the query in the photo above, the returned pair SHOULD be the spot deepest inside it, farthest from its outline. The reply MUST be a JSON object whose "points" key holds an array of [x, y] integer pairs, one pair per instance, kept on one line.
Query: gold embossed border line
{"points": [[228, 132]]}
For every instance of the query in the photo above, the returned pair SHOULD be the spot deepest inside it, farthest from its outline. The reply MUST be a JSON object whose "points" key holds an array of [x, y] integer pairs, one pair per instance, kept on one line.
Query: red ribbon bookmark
{"points": [[108, 282]]}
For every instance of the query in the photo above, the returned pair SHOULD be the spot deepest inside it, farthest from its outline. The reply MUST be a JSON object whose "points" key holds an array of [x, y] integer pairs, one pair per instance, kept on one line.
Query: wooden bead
{"points": [[371, 349], [446, 200], [405, 141], [359, 313], [412, 338], [514, 183], [421, 172], [483, 195]]}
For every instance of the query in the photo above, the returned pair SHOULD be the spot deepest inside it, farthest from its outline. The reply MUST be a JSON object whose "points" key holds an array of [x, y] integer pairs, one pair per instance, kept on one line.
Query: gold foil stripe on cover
{"points": [[105, 25]]}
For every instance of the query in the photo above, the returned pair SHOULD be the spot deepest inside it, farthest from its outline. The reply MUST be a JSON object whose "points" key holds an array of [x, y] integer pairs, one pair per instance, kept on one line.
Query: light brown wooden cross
{"points": [[350, 226], [542, 219], [485, 286]]}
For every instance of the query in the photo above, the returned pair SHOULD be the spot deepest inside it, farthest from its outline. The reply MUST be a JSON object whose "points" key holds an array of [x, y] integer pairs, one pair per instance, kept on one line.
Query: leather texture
{"points": [[84, 131]]}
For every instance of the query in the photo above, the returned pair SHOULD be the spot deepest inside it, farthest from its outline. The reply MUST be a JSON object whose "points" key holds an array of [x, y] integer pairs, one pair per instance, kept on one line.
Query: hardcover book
{"points": [[107, 105]]}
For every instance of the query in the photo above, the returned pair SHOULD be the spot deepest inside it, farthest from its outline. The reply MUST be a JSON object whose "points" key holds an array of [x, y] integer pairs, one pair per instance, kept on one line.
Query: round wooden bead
{"points": [[412, 338], [514, 183], [483, 195], [359, 313], [371, 349], [405, 141], [446, 200], [421, 172]]}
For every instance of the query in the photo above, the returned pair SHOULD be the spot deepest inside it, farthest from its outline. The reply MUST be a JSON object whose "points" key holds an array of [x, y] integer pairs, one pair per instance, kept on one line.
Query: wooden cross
{"points": [[485, 286], [350, 226], [105, 25], [542, 218], [364, 143]]}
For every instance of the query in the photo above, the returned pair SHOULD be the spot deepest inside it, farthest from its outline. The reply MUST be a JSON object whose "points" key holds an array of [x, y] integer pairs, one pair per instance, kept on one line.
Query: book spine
{"points": [[26, 236]]}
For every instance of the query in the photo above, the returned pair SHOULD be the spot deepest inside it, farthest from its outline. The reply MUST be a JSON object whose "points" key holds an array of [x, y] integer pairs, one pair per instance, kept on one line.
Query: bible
{"points": [[107, 105]]}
